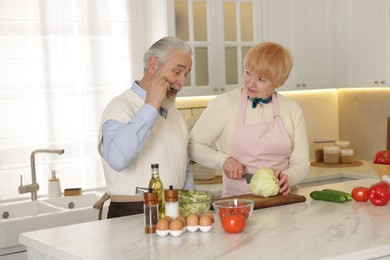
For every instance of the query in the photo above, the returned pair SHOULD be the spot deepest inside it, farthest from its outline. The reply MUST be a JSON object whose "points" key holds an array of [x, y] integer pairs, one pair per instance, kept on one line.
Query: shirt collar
{"points": [[138, 90]]}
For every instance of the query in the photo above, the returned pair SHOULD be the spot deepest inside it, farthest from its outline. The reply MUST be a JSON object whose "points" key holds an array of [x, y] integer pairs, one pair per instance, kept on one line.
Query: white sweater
{"points": [[166, 145]]}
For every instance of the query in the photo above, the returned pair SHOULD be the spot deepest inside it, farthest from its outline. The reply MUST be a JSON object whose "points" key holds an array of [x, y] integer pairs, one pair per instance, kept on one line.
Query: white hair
{"points": [[161, 49]]}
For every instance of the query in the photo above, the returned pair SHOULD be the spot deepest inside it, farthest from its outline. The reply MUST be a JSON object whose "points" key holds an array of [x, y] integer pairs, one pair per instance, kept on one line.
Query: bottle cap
{"points": [[331, 149], [150, 196], [171, 195], [342, 144], [346, 152]]}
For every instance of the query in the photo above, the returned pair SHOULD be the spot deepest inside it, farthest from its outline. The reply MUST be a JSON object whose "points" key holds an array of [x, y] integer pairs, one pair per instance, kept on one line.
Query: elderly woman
{"points": [[254, 126]]}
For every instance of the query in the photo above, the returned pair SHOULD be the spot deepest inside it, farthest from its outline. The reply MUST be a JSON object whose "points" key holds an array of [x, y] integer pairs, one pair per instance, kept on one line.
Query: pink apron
{"points": [[265, 144]]}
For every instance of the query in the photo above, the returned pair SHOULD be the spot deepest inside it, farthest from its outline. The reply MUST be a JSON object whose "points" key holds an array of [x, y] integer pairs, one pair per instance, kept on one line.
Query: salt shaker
{"points": [[171, 203]]}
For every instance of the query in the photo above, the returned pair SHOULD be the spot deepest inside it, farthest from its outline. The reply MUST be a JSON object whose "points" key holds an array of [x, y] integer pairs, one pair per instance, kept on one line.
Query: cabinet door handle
{"points": [[303, 85], [376, 82], [215, 90], [298, 85], [222, 89], [383, 82]]}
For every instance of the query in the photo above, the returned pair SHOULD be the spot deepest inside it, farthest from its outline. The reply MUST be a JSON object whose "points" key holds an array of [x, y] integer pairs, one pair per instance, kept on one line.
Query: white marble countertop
{"points": [[306, 230]]}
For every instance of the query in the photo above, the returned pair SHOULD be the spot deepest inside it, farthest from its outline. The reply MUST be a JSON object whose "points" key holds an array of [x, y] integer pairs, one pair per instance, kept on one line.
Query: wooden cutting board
{"points": [[260, 202]]}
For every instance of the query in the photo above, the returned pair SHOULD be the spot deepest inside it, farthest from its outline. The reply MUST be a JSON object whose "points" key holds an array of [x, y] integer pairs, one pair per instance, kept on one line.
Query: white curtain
{"points": [[61, 61]]}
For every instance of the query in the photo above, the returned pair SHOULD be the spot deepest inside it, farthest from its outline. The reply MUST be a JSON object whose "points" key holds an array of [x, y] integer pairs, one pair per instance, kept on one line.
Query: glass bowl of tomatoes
{"points": [[381, 169], [381, 164], [226, 207]]}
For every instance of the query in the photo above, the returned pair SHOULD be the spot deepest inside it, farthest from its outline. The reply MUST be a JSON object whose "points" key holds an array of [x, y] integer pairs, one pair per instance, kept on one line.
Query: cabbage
{"points": [[264, 183]]}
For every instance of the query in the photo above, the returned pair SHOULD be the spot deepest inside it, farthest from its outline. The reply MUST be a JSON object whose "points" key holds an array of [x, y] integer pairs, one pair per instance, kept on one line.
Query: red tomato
{"points": [[222, 213], [233, 223], [244, 211], [241, 209], [382, 157], [379, 193], [360, 194]]}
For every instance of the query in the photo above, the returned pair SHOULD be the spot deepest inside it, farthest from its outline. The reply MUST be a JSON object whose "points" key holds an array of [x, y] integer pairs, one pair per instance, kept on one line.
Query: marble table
{"points": [[306, 230]]}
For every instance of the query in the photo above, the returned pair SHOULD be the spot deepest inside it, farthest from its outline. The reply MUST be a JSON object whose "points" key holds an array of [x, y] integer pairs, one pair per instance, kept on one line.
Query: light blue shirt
{"points": [[122, 142]]}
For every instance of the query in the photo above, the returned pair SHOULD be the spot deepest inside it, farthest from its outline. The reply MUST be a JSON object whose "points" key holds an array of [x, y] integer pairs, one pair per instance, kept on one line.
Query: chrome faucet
{"points": [[34, 186]]}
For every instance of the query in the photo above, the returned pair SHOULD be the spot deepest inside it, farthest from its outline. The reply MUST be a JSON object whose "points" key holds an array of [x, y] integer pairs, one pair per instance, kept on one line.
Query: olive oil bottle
{"points": [[156, 184]]}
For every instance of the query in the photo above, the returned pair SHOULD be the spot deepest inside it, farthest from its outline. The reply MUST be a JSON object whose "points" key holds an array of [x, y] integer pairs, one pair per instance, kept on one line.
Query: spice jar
{"points": [[150, 211], [346, 155], [332, 154], [319, 144], [171, 203]]}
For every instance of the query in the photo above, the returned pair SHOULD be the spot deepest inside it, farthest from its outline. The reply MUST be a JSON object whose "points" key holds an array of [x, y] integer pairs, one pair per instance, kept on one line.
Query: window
{"points": [[220, 34]]}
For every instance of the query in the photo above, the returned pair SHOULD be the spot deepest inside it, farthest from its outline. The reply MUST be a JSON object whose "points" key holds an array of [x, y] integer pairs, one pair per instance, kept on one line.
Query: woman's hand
{"points": [[283, 183], [233, 169]]}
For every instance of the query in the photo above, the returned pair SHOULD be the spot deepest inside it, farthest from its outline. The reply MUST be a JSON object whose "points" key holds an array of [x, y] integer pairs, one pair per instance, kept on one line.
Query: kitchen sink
{"points": [[25, 216], [25, 209], [74, 202]]}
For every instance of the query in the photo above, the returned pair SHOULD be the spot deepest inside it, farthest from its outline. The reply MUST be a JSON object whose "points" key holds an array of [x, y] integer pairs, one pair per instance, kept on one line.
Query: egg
{"points": [[192, 220], [205, 220], [208, 213], [183, 220], [162, 224], [168, 218], [176, 224]]}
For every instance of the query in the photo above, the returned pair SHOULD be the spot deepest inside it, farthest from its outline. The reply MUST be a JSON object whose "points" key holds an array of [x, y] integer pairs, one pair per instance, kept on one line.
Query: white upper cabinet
{"points": [[335, 43], [307, 28], [220, 33], [366, 43]]}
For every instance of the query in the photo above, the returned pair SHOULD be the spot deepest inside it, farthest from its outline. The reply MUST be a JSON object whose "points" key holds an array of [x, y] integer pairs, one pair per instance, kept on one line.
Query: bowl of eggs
{"points": [[191, 201], [192, 223]]}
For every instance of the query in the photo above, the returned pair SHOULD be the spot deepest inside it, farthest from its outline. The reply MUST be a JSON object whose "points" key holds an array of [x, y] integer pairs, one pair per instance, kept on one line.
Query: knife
{"points": [[248, 177]]}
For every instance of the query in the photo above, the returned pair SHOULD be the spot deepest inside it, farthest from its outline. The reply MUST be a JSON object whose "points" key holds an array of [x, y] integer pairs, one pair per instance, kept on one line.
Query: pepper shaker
{"points": [[150, 211]]}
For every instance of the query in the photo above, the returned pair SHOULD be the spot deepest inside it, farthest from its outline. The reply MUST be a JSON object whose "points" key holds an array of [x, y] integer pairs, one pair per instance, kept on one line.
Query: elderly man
{"points": [[142, 126]]}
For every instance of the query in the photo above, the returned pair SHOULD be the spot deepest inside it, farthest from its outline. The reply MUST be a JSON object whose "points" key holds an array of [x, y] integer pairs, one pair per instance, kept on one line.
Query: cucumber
{"points": [[347, 195], [326, 196]]}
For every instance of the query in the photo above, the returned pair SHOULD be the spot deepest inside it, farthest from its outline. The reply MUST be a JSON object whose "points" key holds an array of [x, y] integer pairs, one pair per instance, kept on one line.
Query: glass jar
{"points": [[346, 155], [332, 154], [319, 144]]}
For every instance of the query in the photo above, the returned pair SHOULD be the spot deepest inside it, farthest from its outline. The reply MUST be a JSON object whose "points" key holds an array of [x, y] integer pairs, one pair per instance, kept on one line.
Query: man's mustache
{"points": [[173, 89]]}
